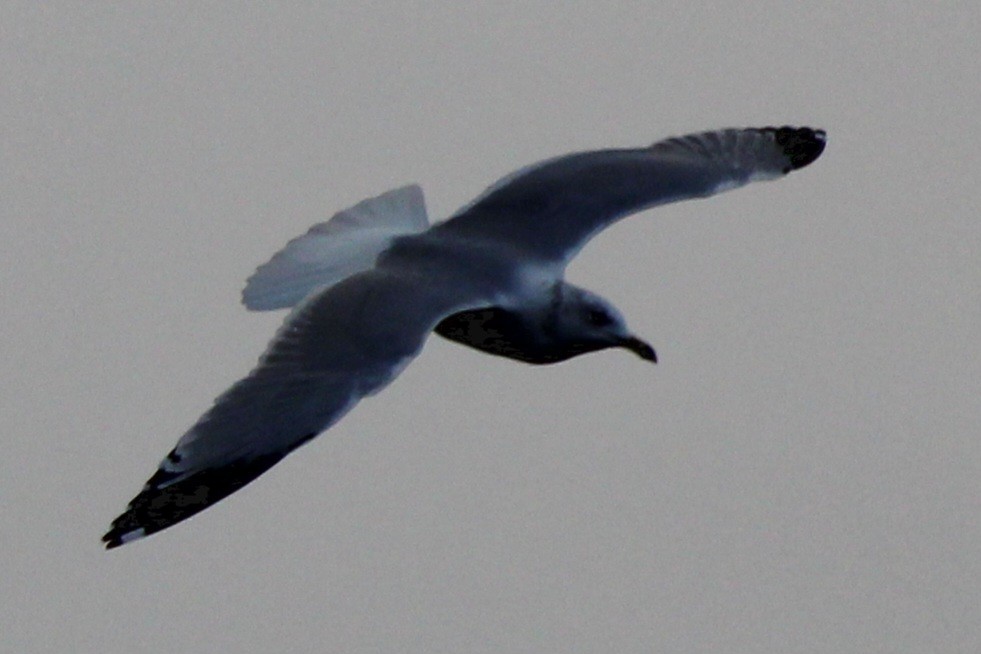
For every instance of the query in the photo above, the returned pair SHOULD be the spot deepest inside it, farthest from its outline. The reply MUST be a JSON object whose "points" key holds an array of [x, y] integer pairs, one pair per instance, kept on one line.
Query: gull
{"points": [[368, 286]]}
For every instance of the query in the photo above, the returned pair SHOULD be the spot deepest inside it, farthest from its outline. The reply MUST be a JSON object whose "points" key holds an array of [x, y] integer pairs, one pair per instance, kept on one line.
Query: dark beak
{"points": [[639, 347]]}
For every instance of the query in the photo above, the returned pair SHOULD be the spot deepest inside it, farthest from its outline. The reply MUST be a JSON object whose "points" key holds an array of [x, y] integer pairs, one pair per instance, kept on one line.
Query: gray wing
{"points": [[550, 210], [334, 349]]}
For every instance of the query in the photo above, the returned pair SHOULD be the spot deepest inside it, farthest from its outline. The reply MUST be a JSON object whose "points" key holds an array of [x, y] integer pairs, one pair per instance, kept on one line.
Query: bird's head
{"points": [[585, 322]]}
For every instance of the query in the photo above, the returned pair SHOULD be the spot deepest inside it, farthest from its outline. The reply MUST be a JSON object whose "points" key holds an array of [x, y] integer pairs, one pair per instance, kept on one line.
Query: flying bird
{"points": [[368, 286]]}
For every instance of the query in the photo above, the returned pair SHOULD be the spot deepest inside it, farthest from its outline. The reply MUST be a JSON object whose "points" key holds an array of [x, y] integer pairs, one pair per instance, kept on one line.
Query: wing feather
{"points": [[335, 348], [550, 210]]}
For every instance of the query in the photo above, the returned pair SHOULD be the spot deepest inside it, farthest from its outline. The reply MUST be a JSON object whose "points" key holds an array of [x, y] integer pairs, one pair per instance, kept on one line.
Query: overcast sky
{"points": [[801, 472]]}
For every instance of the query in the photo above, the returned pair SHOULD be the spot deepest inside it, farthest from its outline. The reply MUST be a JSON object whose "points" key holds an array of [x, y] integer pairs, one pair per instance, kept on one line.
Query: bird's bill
{"points": [[640, 348]]}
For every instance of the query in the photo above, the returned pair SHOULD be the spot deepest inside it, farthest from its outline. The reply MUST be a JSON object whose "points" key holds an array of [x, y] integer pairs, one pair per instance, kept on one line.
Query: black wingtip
{"points": [[112, 540], [159, 506], [801, 145], [168, 498]]}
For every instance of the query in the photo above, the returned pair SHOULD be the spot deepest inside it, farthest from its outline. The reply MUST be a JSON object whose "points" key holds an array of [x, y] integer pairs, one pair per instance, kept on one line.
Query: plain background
{"points": [[800, 473]]}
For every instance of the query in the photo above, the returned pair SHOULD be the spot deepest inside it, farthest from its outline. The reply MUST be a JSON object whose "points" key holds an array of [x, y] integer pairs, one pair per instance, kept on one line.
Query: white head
{"points": [[580, 321], [572, 322]]}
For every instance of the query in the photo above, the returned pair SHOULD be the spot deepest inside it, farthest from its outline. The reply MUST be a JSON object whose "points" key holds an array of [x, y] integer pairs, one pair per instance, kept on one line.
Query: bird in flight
{"points": [[368, 286]]}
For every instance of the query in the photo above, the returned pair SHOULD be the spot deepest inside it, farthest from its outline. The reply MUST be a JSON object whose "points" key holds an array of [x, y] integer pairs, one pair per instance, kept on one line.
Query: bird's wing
{"points": [[335, 348], [346, 244], [551, 209]]}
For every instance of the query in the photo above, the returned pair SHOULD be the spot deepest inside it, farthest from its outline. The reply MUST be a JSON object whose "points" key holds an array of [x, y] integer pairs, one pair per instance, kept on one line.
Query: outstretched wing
{"points": [[550, 210], [334, 349]]}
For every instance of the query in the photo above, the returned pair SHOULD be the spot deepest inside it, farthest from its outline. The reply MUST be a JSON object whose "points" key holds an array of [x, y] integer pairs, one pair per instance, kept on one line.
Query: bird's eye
{"points": [[598, 318]]}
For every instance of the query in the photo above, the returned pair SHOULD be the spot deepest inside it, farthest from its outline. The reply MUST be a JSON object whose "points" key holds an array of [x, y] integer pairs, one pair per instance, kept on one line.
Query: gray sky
{"points": [[800, 473]]}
